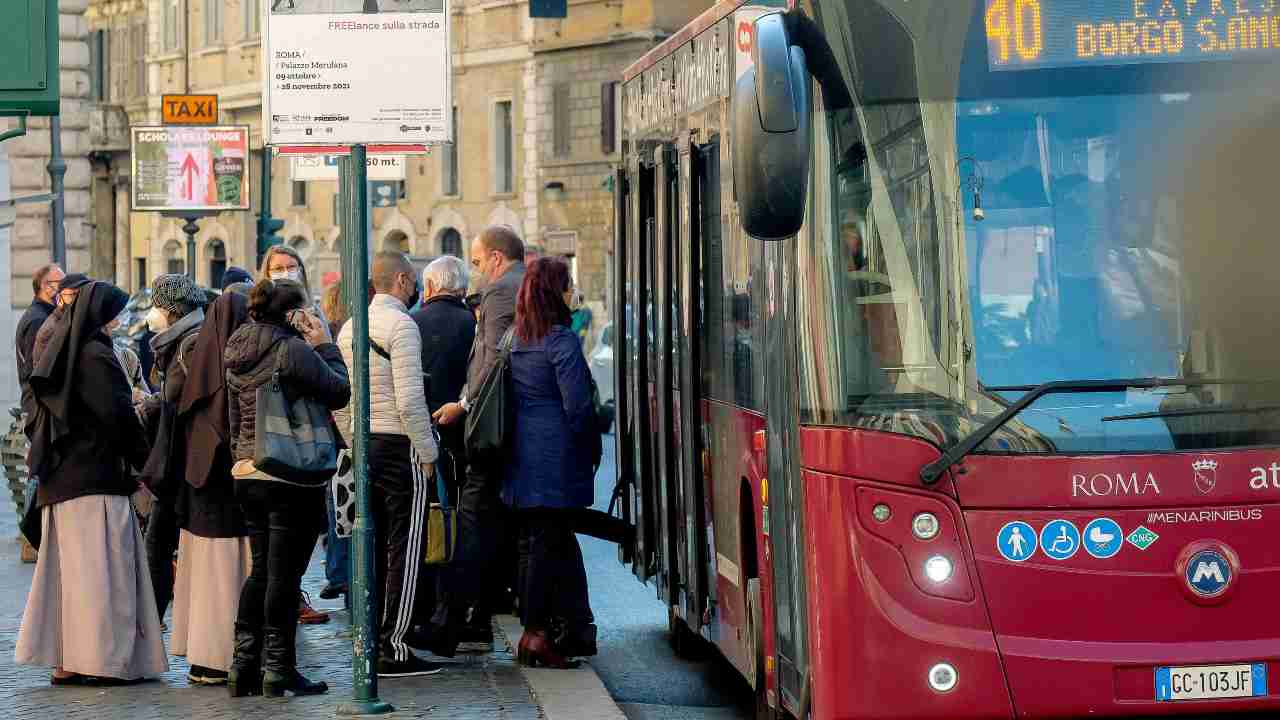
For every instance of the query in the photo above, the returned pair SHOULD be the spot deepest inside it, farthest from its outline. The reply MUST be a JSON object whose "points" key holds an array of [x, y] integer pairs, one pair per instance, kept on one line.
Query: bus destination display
{"points": [[1035, 34]]}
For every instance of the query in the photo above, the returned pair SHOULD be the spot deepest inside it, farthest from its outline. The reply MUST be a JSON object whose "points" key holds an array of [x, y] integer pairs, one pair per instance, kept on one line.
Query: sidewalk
{"points": [[479, 686]]}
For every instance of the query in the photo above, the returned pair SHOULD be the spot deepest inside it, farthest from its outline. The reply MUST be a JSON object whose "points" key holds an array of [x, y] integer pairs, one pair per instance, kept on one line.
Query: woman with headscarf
{"points": [[90, 614], [213, 547], [176, 315]]}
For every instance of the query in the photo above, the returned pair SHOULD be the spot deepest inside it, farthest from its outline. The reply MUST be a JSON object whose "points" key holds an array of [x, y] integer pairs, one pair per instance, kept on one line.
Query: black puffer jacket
{"points": [[251, 359]]}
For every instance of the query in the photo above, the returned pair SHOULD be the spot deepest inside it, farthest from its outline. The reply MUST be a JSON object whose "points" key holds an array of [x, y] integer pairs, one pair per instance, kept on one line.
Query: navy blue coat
{"points": [[551, 464]]}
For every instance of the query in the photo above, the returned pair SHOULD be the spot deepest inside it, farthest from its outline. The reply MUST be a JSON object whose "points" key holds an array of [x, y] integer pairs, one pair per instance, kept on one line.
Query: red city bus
{"points": [[945, 383]]}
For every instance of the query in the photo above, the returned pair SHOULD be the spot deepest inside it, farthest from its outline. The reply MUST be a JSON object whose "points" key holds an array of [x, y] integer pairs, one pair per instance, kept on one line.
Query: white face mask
{"points": [[157, 321], [294, 275]]}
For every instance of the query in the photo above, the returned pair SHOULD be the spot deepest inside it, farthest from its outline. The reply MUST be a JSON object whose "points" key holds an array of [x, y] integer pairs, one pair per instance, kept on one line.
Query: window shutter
{"points": [[609, 118], [560, 119], [98, 65]]}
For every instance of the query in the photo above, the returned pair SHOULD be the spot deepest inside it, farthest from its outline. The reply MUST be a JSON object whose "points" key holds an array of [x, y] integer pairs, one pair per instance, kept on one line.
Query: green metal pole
{"points": [[264, 194], [364, 591]]}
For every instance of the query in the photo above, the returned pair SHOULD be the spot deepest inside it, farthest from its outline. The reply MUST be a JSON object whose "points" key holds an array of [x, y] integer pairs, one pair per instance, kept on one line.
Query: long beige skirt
{"points": [[206, 596], [91, 609]]}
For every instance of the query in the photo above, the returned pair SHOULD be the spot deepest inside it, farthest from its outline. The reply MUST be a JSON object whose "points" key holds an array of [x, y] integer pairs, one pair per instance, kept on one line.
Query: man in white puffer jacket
{"points": [[402, 453]]}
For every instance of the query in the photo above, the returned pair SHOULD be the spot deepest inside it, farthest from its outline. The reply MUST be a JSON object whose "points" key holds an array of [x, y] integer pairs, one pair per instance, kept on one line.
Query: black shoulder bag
{"points": [[491, 420]]}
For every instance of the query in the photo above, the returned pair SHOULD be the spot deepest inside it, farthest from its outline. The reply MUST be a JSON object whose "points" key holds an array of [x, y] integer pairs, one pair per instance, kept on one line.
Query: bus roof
{"points": [[709, 17]]}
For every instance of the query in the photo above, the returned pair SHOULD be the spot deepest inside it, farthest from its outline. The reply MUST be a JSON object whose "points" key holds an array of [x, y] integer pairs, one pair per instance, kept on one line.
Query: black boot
{"points": [[279, 668], [245, 677], [577, 641]]}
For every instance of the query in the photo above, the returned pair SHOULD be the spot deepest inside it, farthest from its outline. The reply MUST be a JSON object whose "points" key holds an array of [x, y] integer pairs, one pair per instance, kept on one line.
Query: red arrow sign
{"points": [[189, 170]]}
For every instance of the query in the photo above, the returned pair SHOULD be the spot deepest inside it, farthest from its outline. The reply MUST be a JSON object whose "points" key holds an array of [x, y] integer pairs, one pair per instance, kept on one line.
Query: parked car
{"points": [[601, 365]]}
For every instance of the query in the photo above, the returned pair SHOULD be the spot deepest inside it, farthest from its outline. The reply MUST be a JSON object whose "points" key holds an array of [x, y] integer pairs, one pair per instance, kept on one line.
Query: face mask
{"points": [[294, 275], [157, 321]]}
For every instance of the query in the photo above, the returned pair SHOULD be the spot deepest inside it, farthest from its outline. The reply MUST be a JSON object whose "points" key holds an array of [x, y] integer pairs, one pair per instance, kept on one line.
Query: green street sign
{"points": [[29, 58]]}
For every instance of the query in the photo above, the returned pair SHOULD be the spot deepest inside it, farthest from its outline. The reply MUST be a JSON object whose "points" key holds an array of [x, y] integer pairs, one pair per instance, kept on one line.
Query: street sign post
{"points": [[355, 75], [335, 74], [384, 168]]}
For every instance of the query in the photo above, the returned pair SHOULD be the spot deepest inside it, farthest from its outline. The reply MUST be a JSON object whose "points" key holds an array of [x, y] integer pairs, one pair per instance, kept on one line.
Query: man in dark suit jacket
{"points": [[44, 288], [448, 330], [497, 259]]}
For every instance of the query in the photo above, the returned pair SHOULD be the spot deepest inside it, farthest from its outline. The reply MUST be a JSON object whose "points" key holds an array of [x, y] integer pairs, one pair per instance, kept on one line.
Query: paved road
{"points": [[636, 662]]}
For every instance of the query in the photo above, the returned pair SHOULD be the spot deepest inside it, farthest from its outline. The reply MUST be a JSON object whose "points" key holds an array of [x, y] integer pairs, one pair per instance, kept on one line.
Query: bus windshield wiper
{"points": [[1192, 412], [929, 474]]}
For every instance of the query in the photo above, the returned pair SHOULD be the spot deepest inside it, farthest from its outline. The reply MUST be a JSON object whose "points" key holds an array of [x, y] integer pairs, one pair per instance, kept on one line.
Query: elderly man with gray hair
{"points": [[448, 329]]}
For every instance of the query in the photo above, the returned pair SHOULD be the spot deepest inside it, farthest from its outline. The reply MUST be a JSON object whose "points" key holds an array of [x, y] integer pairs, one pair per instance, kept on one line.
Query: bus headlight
{"points": [[938, 569], [943, 677], [925, 526], [881, 512]]}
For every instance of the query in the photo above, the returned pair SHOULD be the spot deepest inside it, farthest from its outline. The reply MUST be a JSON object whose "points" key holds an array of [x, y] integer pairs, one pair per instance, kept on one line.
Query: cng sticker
{"points": [[1142, 538]]}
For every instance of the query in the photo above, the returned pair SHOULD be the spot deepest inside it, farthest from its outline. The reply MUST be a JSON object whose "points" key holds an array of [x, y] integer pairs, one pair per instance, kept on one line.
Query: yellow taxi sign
{"points": [[189, 110]]}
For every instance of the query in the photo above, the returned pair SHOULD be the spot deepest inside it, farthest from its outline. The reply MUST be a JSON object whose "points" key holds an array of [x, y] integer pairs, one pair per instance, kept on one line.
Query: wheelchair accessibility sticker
{"points": [[1060, 539]]}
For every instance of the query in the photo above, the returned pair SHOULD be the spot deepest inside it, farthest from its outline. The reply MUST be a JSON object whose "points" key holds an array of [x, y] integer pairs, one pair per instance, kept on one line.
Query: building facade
{"points": [[535, 134]]}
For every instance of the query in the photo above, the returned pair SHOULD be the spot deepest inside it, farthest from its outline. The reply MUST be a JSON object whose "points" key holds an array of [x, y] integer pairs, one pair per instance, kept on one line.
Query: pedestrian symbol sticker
{"points": [[1103, 538], [1016, 541], [1060, 539]]}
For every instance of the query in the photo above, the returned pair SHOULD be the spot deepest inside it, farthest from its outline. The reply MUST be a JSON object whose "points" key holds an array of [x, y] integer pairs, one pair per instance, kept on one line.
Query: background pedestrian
{"points": [[284, 263], [337, 550], [552, 468], [481, 573], [177, 312], [402, 453], [213, 549]]}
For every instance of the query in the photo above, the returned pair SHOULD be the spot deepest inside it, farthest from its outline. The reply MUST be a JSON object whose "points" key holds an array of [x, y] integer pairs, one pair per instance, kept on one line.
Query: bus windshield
{"points": [[979, 226]]}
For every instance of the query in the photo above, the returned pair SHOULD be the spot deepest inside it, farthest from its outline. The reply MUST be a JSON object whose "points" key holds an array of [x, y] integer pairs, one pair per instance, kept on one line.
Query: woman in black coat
{"points": [[283, 519]]}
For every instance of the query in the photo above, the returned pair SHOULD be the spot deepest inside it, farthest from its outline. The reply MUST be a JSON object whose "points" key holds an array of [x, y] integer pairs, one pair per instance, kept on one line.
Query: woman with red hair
{"points": [[551, 474]]}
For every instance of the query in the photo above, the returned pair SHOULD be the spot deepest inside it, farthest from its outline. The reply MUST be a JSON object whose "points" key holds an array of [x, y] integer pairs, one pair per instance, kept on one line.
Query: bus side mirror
{"points": [[772, 121]]}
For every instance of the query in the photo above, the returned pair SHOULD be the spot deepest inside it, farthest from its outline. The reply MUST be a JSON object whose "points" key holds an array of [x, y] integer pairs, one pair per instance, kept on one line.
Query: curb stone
{"points": [[577, 694]]}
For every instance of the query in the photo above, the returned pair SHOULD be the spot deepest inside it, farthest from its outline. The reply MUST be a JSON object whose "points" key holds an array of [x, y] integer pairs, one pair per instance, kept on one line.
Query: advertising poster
{"points": [[345, 72], [190, 168]]}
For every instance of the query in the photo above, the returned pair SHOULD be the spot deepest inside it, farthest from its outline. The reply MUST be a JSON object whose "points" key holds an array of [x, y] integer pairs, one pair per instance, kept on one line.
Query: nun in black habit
{"points": [[91, 612]]}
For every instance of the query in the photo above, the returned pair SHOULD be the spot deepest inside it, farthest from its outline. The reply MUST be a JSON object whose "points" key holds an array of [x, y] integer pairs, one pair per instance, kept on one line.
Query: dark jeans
{"points": [[552, 578], [280, 540], [337, 550], [481, 569], [162, 543]]}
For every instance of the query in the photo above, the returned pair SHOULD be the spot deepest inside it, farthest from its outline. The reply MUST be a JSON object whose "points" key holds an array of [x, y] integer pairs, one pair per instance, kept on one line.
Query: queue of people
{"points": [[112, 449]]}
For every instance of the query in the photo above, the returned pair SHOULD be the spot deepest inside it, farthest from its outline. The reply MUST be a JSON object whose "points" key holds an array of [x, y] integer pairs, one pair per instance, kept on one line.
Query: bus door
{"points": [[667, 522], [784, 499], [623, 341], [686, 262], [639, 334]]}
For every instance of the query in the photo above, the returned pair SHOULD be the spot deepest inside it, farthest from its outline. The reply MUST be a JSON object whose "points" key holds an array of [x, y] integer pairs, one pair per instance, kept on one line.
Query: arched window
{"points": [[396, 241], [174, 260], [217, 252], [451, 243]]}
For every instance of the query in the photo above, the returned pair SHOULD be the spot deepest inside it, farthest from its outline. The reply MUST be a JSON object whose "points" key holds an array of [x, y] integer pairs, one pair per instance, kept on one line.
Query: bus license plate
{"points": [[1209, 682]]}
